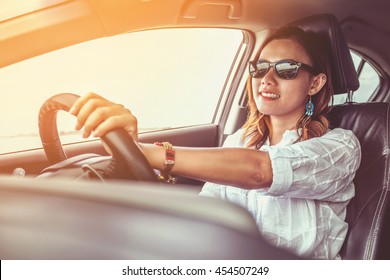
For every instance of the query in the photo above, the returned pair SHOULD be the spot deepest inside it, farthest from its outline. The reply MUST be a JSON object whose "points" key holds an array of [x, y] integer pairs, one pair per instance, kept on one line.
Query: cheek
{"points": [[299, 90], [255, 85]]}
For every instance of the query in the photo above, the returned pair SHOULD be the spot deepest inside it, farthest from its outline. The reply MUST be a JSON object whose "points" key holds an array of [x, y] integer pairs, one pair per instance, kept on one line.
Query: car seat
{"points": [[368, 213]]}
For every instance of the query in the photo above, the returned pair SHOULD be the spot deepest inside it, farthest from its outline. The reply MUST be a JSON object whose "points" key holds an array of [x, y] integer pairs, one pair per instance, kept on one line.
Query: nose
{"points": [[270, 76]]}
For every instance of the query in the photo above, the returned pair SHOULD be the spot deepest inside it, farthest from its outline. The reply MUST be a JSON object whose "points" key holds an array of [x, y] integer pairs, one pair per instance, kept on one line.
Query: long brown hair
{"points": [[257, 127]]}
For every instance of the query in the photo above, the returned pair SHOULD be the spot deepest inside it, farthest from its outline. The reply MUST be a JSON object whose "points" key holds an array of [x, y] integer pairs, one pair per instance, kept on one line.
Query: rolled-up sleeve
{"points": [[319, 168]]}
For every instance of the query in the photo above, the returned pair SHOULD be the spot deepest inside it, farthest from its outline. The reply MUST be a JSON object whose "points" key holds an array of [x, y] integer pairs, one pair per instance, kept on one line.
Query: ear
{"points": [[317, 84]]}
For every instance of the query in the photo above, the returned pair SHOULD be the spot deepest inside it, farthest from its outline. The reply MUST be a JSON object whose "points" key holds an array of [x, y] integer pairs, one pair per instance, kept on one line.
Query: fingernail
{"points": [[78, 126]]}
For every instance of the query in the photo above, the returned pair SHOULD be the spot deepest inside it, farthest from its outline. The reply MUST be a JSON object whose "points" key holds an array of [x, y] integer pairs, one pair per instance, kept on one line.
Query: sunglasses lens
{"points": [[259, 69], [252, 70], [287, 70], [262, 68]]}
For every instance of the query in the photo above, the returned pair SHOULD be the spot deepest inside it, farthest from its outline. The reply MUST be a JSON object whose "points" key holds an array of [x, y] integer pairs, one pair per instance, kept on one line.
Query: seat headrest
{"points": [[344, 75]]}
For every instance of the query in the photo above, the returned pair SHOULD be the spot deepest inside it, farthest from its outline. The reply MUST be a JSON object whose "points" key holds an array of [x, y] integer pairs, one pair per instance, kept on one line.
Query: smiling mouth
{"points": [[270, 95]]}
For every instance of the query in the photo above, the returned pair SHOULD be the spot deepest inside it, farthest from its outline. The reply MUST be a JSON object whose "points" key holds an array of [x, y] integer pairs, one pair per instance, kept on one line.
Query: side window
{"points": [[168, 78], [368, 78]]}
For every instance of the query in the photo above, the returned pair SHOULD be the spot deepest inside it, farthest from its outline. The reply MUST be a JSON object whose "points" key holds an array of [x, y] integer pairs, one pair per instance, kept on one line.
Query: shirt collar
{"points": [[288, 138]]}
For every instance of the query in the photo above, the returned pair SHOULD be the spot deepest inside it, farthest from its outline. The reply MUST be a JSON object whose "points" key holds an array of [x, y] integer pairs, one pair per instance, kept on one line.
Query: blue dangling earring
{"points": [[309, 107]]}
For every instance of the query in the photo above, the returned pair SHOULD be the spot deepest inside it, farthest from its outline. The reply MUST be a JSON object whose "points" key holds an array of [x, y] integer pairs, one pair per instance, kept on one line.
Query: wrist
{"points": [[169, 162]]}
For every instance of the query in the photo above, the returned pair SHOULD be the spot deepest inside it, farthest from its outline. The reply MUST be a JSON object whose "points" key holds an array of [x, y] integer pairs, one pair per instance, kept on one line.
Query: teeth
{"points": [[270, 95]]}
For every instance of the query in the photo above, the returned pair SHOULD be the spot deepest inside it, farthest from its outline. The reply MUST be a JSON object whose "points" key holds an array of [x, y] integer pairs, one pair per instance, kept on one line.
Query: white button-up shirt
{"points": [[304, 209]]}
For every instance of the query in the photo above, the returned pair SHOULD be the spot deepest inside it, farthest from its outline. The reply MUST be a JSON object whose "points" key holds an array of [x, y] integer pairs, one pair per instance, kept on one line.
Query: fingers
{"points": [[93, 112], [98, 115], [79, 103], [128, 122]]}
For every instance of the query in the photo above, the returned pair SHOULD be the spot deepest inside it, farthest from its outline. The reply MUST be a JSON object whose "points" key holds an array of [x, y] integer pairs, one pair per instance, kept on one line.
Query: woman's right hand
{"points": [[98, 116]]}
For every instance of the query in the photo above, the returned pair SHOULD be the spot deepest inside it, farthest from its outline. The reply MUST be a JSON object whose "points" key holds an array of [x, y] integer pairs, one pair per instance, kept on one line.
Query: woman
{"points": [[285, 165]]}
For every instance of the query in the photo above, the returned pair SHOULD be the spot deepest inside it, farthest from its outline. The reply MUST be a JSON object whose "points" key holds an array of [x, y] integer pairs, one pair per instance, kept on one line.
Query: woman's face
{"points": [[283, 99]]}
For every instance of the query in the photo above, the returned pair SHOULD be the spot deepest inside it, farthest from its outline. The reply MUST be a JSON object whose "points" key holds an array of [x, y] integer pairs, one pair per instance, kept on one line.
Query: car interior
{"points": [[42, 216]]}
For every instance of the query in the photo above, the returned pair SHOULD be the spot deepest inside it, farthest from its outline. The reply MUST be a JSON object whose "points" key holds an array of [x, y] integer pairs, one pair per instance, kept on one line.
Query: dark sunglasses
{"points": [[285, 69]]}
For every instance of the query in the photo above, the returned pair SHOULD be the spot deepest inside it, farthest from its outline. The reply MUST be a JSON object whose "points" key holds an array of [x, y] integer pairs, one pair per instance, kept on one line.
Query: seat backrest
{"points": [[344, 76], [368, 213]]}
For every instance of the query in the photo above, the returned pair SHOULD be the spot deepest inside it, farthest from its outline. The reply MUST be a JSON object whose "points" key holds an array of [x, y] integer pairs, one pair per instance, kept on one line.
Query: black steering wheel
{"points": [[127, 161]]}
